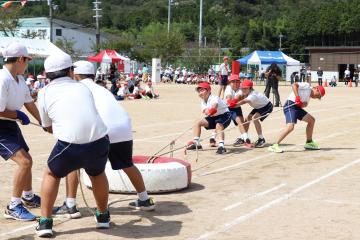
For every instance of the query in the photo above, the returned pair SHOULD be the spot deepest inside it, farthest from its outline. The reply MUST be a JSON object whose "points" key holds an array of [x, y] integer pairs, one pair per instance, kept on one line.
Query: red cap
{"points": [[247, 83], [131, 75], [225, 57], [234, 77], [126, 83], [204, 85], [321, 90], [149, 83]]}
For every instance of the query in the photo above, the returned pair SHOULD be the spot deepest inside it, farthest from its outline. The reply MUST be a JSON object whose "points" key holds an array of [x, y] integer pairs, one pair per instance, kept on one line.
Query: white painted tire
{"points": [[164, 175]]}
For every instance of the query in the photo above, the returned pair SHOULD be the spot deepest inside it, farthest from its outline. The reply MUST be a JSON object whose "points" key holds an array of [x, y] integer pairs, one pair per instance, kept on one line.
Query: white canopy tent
{"points": [[36, 47]]}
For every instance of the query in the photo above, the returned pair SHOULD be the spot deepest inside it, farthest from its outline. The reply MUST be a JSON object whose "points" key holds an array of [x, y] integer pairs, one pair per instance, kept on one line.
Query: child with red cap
{"points": [[293, 110], [149, 90], [231, 95], [217, 117], [262, 108]]}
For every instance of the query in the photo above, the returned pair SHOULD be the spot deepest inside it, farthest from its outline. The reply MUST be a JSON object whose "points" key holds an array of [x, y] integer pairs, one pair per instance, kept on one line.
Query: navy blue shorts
{"points": [[11, 139], [223, 119], [293, 113], [235, 112], [67, 157], [224, 80], [120, 155], [263, 111]]}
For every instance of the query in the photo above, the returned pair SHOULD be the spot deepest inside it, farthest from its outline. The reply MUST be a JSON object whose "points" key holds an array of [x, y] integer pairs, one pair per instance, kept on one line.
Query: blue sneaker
{"points": [[19, 213], [35, 202]]}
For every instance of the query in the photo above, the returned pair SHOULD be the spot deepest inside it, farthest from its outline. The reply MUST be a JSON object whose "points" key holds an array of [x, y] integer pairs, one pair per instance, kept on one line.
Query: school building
{"points": [[334, 60]]}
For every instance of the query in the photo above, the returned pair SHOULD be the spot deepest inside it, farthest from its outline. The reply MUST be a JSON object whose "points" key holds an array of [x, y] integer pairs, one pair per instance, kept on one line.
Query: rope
{"points": [[90, 210], [17, 120], [157, 155]]}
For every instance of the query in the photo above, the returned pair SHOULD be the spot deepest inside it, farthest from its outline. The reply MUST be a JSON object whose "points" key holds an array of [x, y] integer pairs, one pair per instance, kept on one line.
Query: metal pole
{"points": [[200, 23], [51, 19], [280, 37], [97, 16], [169, 16]]}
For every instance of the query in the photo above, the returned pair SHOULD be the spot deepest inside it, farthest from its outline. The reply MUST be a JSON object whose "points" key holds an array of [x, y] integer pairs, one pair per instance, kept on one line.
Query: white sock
{"points": [[14, 202], [28, 195], [221, 143], [143, 196], [197, 140], [261, 136], [245, 136], [213, 135], [70, 202]]}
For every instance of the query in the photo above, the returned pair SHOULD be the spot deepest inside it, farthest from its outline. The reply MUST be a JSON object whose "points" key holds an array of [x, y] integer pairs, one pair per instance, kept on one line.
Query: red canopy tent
{"points": [[109, 56]]}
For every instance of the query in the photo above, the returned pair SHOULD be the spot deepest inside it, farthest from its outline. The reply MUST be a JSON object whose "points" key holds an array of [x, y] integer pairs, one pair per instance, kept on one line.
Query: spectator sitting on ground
{"points": [[40, 83], [138, 92], [124, 91], [149, 90], [333, 82]]}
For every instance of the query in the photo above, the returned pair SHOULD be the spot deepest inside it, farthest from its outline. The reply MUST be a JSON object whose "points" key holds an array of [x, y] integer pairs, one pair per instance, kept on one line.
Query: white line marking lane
{"points": [[243, 218]]}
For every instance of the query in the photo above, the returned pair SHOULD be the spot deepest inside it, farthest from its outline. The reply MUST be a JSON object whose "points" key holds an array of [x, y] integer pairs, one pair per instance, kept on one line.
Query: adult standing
{"points": [[224, 72], [308, 75], [347, 74], [14, 94], [320, 76], [67, 110], [302, 74], [273, 76]]}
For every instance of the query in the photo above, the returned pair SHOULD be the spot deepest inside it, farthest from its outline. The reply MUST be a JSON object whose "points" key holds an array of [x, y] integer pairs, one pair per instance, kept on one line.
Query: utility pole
{"points": [[169, 16], [51, 19], [280, 38], [200, 23], [97, 18]]}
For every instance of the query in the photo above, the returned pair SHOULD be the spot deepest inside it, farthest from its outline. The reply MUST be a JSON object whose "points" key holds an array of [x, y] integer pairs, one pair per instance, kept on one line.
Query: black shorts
{"points": [[223, 119], [293, 112], [235, 112], [263, 111], [120, 155], [67, 157], [224, 80], [11, 139]]}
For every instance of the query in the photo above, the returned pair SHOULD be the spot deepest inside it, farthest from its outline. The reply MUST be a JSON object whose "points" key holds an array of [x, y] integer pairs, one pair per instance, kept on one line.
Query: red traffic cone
{"points": [[350, 83], [326, 83]]}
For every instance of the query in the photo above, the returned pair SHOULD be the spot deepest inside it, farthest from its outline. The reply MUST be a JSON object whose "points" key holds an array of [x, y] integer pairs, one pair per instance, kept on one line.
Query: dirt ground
{"points": [[245, 194]]}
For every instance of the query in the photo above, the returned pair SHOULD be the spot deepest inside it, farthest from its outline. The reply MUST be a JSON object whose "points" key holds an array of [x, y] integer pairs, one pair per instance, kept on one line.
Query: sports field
{"points": [[244, 194]]}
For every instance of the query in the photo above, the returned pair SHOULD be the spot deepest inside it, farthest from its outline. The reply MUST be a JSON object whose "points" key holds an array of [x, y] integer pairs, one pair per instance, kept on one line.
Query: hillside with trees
{"points": [[232, 27]]}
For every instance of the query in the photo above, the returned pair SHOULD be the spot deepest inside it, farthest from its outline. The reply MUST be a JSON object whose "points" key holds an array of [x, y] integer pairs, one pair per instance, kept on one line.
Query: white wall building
{"points": [[84, 39]]}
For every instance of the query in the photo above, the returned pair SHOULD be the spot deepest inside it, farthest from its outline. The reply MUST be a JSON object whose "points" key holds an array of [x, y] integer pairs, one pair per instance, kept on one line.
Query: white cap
{"points": [[40, 76], [15, 49], [84, 67], [57, 62]]}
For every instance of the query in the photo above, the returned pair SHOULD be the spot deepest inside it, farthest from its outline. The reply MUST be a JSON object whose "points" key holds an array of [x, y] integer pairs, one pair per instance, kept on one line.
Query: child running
{"points": [[293, 110], [217, 117], [232, 92], [262, 108]]}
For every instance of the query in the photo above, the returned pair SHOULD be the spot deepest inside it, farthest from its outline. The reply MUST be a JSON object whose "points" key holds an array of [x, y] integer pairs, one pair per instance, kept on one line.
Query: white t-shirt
{"points": [[347, 73], [13, 94], [257, 100], [136, 90], [123, 91], [213, 99], [39, 85], [224, 69], [68, 106], [149, 89], [304, 92], [230, 92], [113, 115]]}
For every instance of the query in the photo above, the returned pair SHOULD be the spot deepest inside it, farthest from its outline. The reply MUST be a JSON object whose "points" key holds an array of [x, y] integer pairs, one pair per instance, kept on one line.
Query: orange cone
{"points": [[326, 83], [350, 83]]}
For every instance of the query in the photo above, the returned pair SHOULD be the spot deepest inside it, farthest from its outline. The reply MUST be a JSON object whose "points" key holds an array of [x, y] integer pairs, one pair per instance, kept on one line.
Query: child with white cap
{"points": [[293, 109], [149, 90], [119, 126], [67, 110], [14, 94], [217, 117]]}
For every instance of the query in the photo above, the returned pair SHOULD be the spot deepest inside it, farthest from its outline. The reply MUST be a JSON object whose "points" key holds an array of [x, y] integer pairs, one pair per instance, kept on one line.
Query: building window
{"points": [[58, 32]]}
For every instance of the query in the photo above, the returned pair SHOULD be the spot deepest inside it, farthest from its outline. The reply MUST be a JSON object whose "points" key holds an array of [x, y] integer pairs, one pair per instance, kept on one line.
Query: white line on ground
{"points": [[256, 195], [332, 201], [18, 230], [278, 200]]}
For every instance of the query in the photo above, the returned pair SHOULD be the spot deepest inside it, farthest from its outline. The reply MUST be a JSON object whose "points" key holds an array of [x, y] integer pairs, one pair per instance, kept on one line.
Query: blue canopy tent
{"points": [[268, 57]]}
